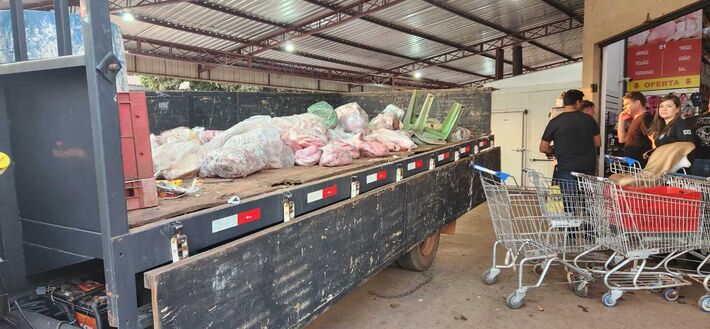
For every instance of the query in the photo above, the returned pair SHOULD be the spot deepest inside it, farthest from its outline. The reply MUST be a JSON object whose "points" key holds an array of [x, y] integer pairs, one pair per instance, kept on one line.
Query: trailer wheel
{"points": [[422, 256]]}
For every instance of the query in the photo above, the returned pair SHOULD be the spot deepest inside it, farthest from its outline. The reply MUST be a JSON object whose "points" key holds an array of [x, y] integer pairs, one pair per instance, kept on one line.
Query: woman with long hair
{"points": [[667, 125]]}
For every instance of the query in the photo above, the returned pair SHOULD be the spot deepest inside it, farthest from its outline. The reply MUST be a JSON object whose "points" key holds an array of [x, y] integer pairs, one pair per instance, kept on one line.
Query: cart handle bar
{"points": [[503, 176], [627, 160]]}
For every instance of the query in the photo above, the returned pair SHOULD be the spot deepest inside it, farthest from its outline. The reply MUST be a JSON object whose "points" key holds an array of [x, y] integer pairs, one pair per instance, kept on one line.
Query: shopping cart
{"points": [[637, 223], [701, 273], [529, 225], [632, 168]]}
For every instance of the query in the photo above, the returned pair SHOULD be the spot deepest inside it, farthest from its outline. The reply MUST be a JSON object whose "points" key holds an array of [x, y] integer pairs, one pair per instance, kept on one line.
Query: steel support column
{"points": [[500, 54], [517, 60]]}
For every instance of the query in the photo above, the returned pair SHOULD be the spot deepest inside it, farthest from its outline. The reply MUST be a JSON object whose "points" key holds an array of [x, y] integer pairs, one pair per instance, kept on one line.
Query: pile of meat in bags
{"points": [[324, 136]]}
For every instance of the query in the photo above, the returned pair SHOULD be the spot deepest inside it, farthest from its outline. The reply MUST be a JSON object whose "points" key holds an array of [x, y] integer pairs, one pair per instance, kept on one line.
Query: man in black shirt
{"points": [[635, 138], [575, 136], [701, 130]]}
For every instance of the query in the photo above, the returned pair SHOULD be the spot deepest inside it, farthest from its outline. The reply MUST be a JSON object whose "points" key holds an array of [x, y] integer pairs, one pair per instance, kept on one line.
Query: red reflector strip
{"points": [[330, 191], [468, 148], [249, 216], [444, 156], [322, 194], [415, 165], [378, 176]]}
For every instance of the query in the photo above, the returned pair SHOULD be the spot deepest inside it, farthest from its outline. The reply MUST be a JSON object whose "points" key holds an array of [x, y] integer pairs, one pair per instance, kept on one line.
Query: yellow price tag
{"points": [[4, 162]]}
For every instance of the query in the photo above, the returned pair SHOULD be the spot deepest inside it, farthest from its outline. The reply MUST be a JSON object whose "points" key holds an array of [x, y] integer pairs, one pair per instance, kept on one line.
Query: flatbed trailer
{"points": [[295, 242]]}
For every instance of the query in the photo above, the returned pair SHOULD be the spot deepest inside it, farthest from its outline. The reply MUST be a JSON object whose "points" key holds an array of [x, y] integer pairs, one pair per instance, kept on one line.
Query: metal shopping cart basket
{"points": [[523, 228], [639, 222]]}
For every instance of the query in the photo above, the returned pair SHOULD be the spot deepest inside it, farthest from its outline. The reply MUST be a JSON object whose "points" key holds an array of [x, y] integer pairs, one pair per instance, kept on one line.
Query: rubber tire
{"points": [[584, 292], [537, 268], [415, 260], [606, 300], [514, 303], [704, 303], [488, 278], [671, 294]]}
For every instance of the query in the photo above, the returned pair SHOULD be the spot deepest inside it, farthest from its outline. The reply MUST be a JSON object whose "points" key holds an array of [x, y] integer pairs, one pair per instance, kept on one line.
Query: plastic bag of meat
{"points": [[325, 112], [352, 118], [373, 149], [177, 160], [352, 148], [255, 122], [334, 155], [338, 134], [459, 134], [309, 156], [396, 140], [384, 121], [234, 162], [393, 109], [278, 154], [205, 136], [179, 134], [302, 130]]}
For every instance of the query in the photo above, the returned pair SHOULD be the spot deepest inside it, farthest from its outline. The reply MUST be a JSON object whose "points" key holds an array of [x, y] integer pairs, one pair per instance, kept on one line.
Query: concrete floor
{"points": [[452, 296]]}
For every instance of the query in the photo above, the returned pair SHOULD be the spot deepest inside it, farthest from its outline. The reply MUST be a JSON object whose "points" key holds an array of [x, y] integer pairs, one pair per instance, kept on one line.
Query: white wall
{"points": [[535, 92]]}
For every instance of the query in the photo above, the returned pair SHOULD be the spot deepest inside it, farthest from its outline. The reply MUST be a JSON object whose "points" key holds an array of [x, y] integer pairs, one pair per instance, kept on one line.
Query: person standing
{"points": [[635, 138], [575, 136], [668, 126], [701, 131], [588, 108]]}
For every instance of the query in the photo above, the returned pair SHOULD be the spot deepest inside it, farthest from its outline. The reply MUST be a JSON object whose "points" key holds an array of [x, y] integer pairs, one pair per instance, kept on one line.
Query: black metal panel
{"points": [[53, 147], [48, 259], [444, 156], [376, 177], [149, 246], [414, 165], [12, 266], [64, 238], [291, 273], [61, 18], [321, 194], [17, 20], [286, 273]]}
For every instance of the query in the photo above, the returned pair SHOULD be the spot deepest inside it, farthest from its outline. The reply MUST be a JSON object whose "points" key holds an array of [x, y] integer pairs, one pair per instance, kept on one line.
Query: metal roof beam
{"points": [[238, 13], [402, 29], [114, 5], [445, 6], [317, 24], [479, 83], [190, 29], [540, 31], [169, 50], [569, 12]]}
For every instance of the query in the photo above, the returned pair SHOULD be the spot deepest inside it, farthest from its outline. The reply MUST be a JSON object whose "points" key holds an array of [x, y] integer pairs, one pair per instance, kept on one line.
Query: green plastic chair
{"points": [[418, 124], [439, 136]]}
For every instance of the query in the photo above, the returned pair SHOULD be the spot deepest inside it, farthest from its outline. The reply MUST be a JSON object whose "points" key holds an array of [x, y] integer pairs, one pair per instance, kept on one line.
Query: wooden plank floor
{"points": [[214, 192]]}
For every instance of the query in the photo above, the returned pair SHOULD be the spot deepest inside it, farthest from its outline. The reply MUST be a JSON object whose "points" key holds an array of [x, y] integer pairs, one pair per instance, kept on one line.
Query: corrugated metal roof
{"points": [[415, 15]]}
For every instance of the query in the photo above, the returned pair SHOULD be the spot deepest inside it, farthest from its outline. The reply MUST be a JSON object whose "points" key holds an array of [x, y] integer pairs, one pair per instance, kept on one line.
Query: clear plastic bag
{"points": [[334, 155], [393, 109], [177, 160], [396, 140], [255, 122], [309, 156], [373, 149], [459, 134], [384, 121], [302, 130], [234, 162], [278, 154], [179, 134], [352, 118]]}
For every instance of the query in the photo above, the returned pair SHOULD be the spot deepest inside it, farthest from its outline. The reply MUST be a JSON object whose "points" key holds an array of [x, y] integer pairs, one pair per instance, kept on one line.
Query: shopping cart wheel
{"points": [[671, 294], [515, 300], [656, 284], [582, 289], [704, 303], [608, 300], [489, 278], [538, 268]]}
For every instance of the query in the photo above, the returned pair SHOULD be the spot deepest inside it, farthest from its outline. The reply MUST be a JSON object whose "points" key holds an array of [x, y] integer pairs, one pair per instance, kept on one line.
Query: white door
{"points": [[509, 129]]}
